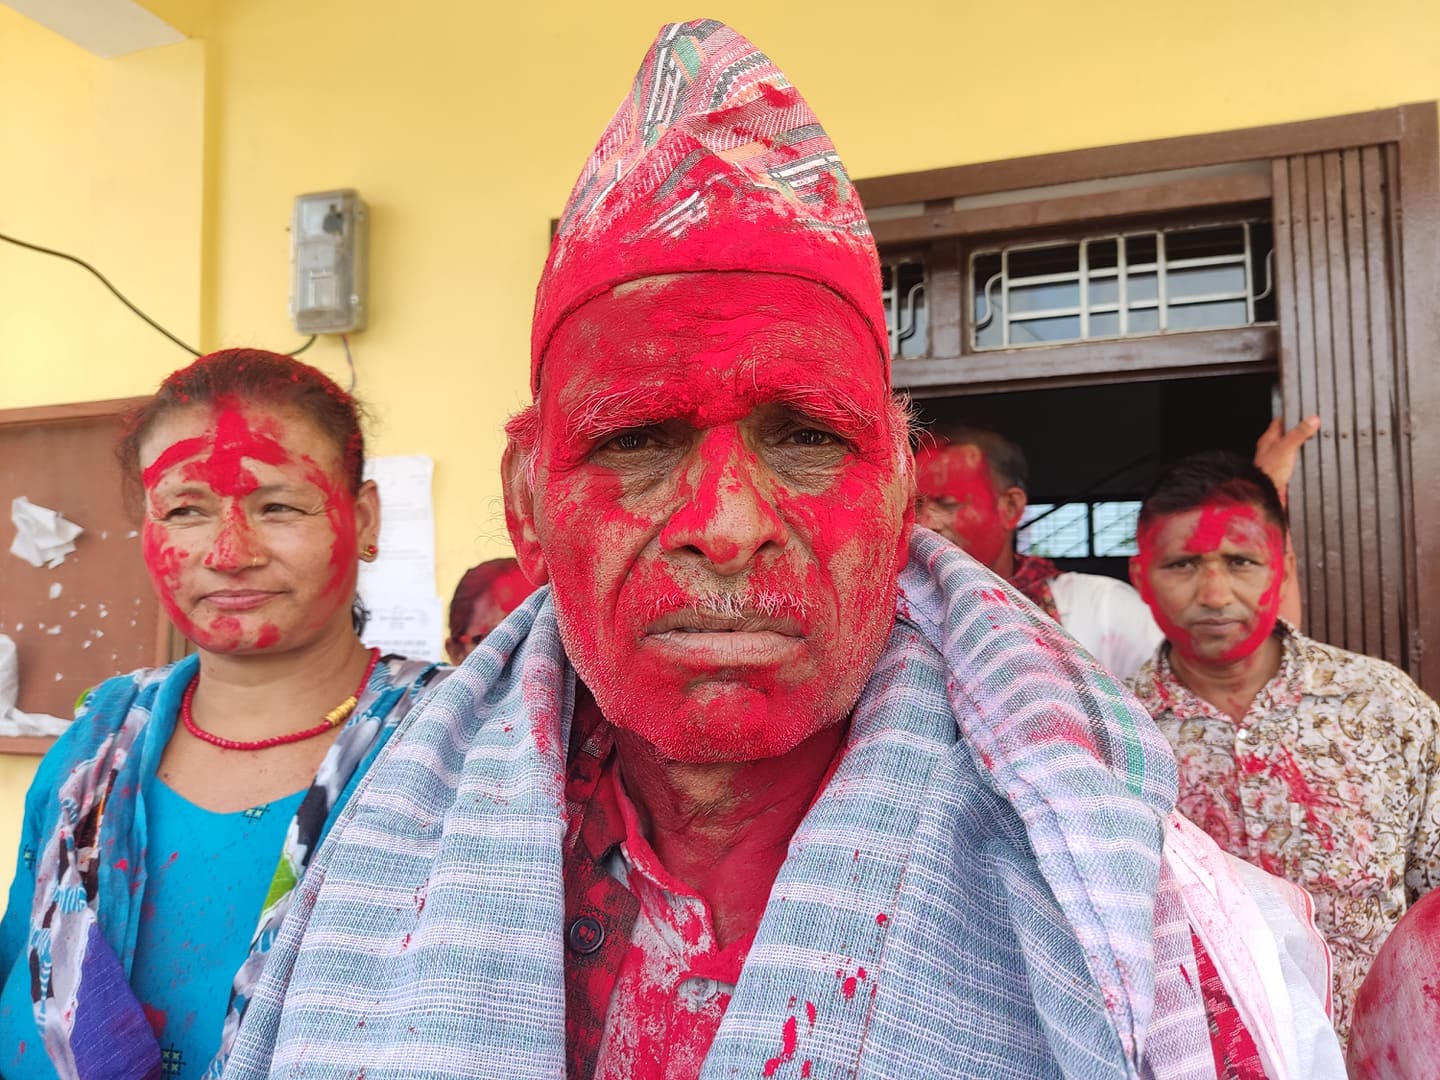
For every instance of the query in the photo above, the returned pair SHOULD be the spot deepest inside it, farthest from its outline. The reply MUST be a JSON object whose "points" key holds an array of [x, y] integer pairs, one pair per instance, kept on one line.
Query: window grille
{"points": [[902, 281], [1079, 530], [1122, 285]]}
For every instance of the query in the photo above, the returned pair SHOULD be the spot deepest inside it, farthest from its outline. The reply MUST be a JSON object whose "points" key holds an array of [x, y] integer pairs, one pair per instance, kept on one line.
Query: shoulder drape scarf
{"points": [[90, 870], [979, 889]]}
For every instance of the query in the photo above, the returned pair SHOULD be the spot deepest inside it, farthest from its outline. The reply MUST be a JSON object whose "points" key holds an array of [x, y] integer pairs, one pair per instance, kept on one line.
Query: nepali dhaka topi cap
{"points": [[713, 162]]}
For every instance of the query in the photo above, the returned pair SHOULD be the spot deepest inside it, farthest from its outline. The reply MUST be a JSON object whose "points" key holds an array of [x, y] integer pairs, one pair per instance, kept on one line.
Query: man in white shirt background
{"points": [[973, 490]]}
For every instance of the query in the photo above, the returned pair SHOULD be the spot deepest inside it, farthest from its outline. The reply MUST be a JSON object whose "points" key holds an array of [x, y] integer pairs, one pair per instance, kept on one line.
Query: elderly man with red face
{"points": [[973, 491], [763, 782], [1317, 764]]}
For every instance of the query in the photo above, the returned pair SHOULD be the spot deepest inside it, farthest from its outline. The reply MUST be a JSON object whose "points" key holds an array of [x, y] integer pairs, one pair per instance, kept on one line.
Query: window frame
{"points": [[944, 209]]}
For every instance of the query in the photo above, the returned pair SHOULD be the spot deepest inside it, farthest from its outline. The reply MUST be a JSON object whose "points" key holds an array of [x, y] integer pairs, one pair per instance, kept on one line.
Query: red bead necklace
{"points": [[335, 716]]}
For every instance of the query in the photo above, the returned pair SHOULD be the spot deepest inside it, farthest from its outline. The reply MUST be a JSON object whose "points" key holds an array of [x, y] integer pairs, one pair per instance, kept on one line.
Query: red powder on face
{"points": [[220, 462], [958, 499], [698, 375], [1220, 529]]}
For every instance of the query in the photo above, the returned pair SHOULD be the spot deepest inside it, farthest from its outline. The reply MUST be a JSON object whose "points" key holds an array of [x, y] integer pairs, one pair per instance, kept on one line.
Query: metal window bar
{"points": [[1122, 271], [1160, 291], [1124, 306], [1005, 298], [900, 312], [1087, 496]]}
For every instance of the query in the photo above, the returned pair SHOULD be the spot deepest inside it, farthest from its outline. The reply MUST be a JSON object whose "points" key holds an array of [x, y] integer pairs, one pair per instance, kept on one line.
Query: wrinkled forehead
{"points": [[701, 344]]}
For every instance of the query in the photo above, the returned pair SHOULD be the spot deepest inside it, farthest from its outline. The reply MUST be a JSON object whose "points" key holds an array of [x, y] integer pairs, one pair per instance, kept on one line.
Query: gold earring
{"points": [[369, 553]]}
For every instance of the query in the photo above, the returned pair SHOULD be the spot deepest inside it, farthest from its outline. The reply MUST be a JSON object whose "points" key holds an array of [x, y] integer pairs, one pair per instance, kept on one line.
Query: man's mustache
{"points": [[751, 601]]}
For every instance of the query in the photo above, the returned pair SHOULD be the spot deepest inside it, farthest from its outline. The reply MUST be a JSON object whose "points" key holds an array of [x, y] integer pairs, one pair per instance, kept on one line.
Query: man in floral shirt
{"points": [[1310, 761]]}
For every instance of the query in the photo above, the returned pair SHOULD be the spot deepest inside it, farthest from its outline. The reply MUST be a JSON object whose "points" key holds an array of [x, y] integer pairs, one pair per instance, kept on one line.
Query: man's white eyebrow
{"points": [[829, 406], [605, 411]]}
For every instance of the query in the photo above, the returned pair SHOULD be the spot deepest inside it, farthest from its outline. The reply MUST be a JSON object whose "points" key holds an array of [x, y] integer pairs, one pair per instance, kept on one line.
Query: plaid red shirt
{"points": [[646, 983]]}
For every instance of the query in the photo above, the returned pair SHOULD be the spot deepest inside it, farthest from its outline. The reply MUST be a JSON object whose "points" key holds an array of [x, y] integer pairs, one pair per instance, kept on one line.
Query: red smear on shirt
{"points": [[805, 1067], [881, 919], [157, 1018], [810, 1012], [651, 1033], [788, 1035], [1288, 771], [122, 865]]}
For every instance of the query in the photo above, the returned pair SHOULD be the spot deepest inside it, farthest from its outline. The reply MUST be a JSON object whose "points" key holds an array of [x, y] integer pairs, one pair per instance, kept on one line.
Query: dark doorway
{"points": [[1094, 450]]}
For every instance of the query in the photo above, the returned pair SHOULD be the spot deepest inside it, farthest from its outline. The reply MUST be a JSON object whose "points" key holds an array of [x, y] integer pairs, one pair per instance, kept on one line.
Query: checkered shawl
{"points": [[712, 162], [988, 851]]}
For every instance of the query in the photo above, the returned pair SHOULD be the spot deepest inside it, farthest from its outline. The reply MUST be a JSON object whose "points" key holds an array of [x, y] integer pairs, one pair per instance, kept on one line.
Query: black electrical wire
{"points": [[121, 296]]}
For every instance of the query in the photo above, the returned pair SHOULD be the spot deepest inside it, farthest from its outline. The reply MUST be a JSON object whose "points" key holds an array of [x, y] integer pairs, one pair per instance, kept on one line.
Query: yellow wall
{"points": [[463, 125], [103, 159]]}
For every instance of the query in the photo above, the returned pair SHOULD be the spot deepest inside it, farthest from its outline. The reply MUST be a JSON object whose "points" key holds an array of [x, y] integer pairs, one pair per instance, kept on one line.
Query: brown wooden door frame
{"points": [[1411, 136]]}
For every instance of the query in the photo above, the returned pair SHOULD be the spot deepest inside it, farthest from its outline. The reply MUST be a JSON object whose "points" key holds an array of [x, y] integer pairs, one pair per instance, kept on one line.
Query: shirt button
{"points": [[586, 935]]}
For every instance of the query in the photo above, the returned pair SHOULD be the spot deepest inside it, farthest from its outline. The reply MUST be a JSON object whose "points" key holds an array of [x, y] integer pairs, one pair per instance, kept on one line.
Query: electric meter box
{"points": [[329, 233]]}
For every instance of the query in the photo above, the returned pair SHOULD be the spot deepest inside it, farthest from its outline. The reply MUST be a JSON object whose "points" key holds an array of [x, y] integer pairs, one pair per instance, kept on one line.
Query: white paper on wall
{"points": [[406, 615]]}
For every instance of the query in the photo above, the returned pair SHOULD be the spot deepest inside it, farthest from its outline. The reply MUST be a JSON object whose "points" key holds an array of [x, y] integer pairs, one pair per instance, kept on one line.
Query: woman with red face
{"points": [[166, 831]]}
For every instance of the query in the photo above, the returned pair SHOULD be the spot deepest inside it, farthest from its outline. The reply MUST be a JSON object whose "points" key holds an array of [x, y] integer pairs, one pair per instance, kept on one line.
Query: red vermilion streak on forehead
{"points": [[232, 440], [183, 450], [1214, 525]]}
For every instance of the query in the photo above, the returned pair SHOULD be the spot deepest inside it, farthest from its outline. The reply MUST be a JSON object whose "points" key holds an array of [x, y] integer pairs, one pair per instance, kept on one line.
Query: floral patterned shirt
{"points": [[1331, 780]]}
